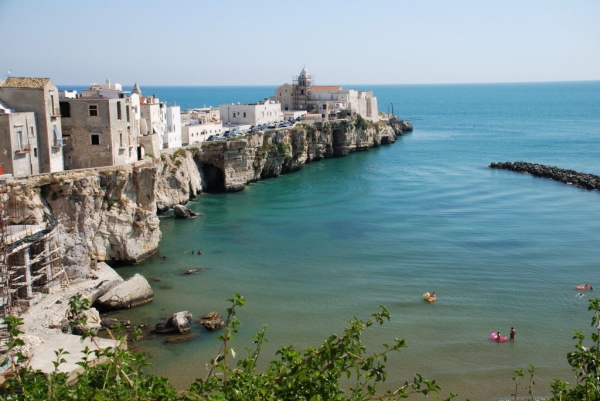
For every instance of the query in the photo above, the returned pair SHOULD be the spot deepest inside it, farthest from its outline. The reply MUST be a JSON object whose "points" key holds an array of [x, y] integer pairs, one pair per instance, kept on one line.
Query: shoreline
{"points": [[42, 325]]}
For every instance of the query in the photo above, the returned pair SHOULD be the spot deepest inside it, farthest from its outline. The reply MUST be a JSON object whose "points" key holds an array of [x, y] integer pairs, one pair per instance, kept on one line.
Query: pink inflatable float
{"points": [[495, 338]]}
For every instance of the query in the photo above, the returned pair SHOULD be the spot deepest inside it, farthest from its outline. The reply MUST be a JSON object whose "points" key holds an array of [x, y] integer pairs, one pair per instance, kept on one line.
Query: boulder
{"points": [[133, 292], [183, 212], [93, 322], [180, 321], [212, 321]]}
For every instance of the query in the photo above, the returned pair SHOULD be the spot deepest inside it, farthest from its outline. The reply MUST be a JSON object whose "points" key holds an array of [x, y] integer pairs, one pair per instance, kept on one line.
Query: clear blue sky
{"points": [[267, 42]]}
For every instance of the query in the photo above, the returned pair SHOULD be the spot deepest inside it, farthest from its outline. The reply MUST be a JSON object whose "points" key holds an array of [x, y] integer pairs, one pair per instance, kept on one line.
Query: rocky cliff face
{"points": [[110, 214]]}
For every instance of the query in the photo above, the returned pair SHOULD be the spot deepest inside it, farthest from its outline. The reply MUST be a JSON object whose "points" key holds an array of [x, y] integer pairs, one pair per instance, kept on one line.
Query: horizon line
{"points": [[358, 84]]}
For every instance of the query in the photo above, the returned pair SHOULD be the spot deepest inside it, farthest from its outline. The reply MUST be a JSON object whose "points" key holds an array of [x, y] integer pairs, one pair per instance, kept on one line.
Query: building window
{"points": [[93, 110], [20, 140], [120, 139], [65, 109], [119, 113], [127, 112], [244, 114], [34, 152], [95, 139]]}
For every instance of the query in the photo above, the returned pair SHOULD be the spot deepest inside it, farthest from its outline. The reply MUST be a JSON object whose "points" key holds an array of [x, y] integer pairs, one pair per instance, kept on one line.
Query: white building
{"points": [[330, 102], [172, 134], [262, 112], [199, 124], [153, 117]]}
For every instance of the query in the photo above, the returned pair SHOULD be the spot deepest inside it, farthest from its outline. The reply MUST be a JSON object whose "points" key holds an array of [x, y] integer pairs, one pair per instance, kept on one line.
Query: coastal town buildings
{"points": [[325, 102], [199, 124], [18, 143], [98, 127], [263, 112], [40, 96]]}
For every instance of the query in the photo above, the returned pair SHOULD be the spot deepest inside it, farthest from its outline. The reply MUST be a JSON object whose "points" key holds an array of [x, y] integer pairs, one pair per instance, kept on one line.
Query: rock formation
{"points": [[180, 321], [183, 212], [587, 181], [212, 321], [110, 214], [132, 292]]}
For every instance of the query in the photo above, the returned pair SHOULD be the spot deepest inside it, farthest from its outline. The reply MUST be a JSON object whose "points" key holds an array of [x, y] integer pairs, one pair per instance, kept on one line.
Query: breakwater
{"points": [[582, 180]]}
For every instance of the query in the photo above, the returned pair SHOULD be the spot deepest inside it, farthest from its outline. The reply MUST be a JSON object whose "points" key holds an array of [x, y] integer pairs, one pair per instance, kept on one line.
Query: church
{"points": [[331, 102]]}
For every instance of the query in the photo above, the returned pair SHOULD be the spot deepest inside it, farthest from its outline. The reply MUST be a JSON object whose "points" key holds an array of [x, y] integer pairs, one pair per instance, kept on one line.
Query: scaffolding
{"points": [[30, 257]]}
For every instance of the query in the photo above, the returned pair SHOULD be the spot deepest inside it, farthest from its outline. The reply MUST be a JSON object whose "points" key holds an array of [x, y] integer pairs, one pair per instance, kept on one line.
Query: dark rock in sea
{"points": [[581, 180], [180, 339], [110, 323], [180, 321], [192, 271], [212, 321], [183, 212]]}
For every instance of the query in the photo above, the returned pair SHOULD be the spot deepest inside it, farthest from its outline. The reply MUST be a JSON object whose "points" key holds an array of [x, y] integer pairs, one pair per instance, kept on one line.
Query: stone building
{"points": [[330, 102], [18, 143], [40, 96], [99, 127]]}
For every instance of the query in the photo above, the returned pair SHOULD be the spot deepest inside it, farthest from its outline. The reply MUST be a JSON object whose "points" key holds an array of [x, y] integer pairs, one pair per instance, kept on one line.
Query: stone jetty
{"points": [[582, 180]]}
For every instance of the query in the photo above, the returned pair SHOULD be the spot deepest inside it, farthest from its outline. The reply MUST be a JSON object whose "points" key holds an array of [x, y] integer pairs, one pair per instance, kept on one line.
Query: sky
{"points": [[268, 42]]}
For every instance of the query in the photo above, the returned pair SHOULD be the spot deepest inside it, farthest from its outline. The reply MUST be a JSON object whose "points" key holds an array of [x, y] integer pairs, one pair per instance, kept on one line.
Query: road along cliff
{"points": [[111, 214]]}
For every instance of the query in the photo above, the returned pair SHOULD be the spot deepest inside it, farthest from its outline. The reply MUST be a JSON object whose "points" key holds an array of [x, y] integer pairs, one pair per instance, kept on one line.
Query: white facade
{"points": [[262, 112], [198, 133], [153, 117], [172, 135]]}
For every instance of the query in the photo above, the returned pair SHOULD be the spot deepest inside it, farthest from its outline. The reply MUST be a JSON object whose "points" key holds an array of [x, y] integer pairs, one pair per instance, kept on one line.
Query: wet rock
{"points": [[212, 321], [180, 321], [180, 339], [192, 271], [183, 212]]}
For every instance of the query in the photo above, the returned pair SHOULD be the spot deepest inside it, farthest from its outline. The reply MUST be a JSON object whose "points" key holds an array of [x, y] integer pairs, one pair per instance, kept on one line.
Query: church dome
{"points": [[304, 73]]}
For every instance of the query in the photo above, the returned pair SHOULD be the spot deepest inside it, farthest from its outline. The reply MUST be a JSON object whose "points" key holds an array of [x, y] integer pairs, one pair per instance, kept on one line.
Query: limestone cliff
{"points": [[110, 214]]}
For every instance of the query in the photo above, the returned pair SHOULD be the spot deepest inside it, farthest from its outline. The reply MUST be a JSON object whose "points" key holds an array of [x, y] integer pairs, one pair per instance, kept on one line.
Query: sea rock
{"points": [[180, 321], [133, 292], [183, 212], [110, 323], [212, 321], [180, 339], [192, 271]]}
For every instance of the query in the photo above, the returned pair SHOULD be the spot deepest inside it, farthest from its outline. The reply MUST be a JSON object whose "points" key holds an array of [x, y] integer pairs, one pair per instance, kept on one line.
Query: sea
{"points": [[310, 250]]}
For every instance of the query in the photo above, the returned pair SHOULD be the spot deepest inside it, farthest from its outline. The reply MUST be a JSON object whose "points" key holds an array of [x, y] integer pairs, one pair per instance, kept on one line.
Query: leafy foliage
{"points": [[361, 123], [339, 369]]}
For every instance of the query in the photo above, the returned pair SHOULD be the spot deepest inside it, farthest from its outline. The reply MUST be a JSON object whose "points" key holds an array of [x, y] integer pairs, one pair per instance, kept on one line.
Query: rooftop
{"points": [[24, 82]]}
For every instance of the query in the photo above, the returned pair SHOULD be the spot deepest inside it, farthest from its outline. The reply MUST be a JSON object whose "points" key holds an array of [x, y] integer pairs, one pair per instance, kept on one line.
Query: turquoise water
{"points": [[312, 249]]}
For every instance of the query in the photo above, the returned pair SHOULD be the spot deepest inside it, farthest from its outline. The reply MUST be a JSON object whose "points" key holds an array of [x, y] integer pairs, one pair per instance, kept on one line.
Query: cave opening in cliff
{"points": [[214, 180]]}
